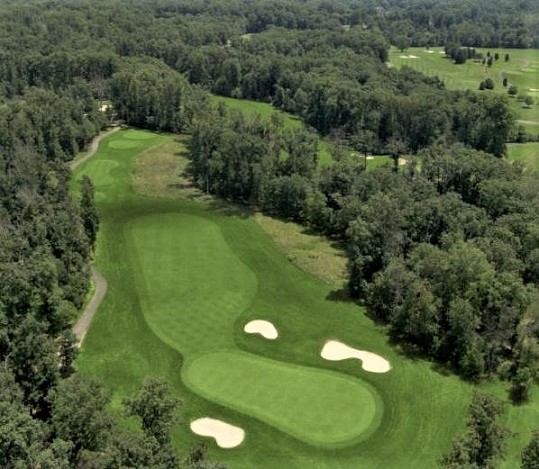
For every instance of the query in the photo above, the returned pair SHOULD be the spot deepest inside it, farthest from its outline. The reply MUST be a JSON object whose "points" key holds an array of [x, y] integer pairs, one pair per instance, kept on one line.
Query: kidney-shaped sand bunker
{"points": [[224, 434], [334, 350], [265, 328]]}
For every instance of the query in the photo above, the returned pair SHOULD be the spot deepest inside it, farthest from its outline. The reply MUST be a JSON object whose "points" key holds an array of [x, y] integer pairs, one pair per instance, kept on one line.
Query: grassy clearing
{"points": [[185, 277], [266, 111], [522, 70], [526, 153], [161, 172], [379, 160]]}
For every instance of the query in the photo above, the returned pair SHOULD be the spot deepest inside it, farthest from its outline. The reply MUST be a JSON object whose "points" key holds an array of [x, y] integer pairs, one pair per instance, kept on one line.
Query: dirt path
{"points": [[84, 321], [93, 148], [528, 122], [82, 325]]}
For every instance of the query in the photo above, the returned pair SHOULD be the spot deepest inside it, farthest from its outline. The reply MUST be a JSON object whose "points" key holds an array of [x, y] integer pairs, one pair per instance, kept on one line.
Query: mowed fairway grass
{"points": [[526, 153], [185, 277], [522, 70]]}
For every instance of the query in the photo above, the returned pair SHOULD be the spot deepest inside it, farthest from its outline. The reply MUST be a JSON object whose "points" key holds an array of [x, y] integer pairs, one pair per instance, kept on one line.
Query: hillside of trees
{"points": [[443, 251]]}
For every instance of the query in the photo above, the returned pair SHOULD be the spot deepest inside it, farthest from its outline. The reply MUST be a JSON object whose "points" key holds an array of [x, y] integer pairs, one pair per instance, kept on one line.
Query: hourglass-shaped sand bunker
{"points": [[335, 351], [225, 435], [265, 328]]}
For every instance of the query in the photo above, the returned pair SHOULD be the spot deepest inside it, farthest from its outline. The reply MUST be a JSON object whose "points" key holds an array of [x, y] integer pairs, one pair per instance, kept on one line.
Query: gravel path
{"points": [[84, 321], [93, 148], [82, 325]]}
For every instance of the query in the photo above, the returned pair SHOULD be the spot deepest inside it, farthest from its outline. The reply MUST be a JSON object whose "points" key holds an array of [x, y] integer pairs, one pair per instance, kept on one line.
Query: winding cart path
{"points": [[82, 325]]}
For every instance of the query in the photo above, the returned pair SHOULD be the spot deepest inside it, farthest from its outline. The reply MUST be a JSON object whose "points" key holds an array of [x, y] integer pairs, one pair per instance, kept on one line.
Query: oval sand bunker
{"points": [[225, 435], [265, 328], [335, 351]]}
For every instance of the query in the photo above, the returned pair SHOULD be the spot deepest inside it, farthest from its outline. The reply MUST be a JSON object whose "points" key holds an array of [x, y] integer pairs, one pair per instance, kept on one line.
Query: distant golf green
{"points": [[522, 70], [184, 277]]}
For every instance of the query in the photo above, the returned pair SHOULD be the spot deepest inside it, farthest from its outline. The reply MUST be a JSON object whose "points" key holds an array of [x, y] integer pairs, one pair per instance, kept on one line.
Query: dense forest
{"points": [[444, 251]]}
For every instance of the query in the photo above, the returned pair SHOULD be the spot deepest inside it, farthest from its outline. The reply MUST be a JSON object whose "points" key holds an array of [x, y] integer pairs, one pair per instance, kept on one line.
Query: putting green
{"points": [[133, 134], [123, 144], [317, 406]]}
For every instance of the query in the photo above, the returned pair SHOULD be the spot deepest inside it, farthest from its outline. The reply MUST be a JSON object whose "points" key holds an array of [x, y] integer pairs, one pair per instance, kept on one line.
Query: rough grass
{"points": [[156, 254], [314, 254], [522, 70]]}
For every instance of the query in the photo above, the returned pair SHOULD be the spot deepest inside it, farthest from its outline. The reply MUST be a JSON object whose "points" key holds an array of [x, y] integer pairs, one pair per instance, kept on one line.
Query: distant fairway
{"points": [[526, 153], [185, 277], [522, 70], [265, 110]]}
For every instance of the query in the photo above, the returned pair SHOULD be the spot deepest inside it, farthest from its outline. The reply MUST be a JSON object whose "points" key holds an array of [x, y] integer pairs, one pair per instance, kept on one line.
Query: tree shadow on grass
{"points": [[341, 295], [231, 209]]}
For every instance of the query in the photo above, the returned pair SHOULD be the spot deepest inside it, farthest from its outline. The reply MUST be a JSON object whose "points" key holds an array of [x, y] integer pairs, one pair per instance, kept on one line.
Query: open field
{"points": [[526, 153], [185, 277], [522, 70]]}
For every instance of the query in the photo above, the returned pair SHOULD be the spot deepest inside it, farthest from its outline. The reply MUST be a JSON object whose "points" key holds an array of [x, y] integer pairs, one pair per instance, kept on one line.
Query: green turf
{"points": [[133, 134], [526, 153], [194, 280], [123, 144], [264, 110], [317, 406], [184, 278], [522, 70], [379, 160]]}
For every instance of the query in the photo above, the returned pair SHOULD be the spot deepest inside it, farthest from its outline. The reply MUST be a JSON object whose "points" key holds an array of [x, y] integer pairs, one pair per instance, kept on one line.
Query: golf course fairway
{"points": [[184, 278]]}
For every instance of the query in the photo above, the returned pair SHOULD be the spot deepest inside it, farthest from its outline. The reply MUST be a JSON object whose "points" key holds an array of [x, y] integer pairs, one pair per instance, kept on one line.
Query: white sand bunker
{"points": [[535, 90], [265, 328], [408, 56], [334, 350], [225, 435], [370, 157]]}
